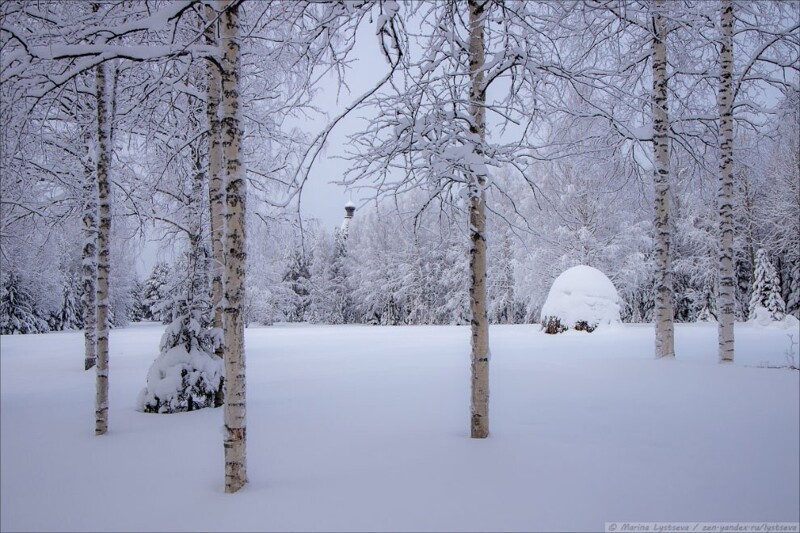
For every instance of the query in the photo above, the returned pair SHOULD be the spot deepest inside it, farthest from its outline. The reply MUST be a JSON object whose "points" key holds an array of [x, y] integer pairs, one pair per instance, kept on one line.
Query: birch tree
{"points": [[103, 247], [768, 54], [479, 405], [726, 300], [216, 192], [665, 335], [89, 270], [235, 197], [432, 124]]}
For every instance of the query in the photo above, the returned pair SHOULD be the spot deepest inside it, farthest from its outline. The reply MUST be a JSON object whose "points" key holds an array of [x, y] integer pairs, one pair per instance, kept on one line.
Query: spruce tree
{"points": [[18, 313], [793, 291], [70, 316], [187, 375], [766, 289]]}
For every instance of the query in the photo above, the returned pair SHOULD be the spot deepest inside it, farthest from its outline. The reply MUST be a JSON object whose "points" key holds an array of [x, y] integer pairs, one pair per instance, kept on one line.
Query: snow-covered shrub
{"points": [[581, 298], [187, 375], [553, 325], [762, 318]]}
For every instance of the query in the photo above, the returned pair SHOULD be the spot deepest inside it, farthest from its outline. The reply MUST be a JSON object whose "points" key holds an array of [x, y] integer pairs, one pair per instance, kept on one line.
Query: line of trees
{"points": [[507, 141]]}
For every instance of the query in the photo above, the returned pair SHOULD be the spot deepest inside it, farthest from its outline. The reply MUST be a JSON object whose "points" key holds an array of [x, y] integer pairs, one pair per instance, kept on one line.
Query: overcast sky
{"points": [[321, 199]]}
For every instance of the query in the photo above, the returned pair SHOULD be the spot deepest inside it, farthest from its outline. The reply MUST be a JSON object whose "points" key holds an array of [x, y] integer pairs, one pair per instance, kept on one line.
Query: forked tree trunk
{"points": [[665, 335], [89, 269], [216, 191], [235, 191], [103, 248], [726, 302], [479, 405]]}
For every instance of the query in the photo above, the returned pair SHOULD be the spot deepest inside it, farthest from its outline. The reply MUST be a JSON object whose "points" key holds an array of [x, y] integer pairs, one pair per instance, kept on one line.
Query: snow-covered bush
{"points": [[187, 375], [762, 318], [581, 298]]}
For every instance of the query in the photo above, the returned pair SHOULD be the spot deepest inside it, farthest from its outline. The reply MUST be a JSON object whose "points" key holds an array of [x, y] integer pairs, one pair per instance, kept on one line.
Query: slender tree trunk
{"points": [[479, 406], [727, 281], [89, 273], [235, 190], [508, 270], [665, 336], [216, 191], [198, 252], [103, 249]]}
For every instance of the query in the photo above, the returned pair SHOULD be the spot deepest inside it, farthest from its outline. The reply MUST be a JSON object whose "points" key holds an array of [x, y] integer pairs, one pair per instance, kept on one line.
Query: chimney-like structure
{"points": [[349, 209]]}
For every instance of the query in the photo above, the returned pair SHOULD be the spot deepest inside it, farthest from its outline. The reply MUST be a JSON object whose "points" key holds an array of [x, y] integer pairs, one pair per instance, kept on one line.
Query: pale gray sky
{"points": [[321, 199]]}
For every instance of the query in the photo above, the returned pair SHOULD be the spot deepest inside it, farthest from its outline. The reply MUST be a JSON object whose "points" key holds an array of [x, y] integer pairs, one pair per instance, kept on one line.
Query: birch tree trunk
{"points": [[727, 280], [198, 252], [103, 248], [216, 192], [89, 269], [665, 336], [479, 405], [235, 190]]}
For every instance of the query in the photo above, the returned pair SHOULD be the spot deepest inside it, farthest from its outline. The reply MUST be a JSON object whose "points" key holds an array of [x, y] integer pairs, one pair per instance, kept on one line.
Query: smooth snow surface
{"points": [[354, 428], [582, 293]]}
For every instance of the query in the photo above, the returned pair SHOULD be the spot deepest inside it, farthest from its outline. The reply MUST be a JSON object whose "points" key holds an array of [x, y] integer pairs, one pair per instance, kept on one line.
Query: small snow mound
{"points": [[762, 319], [581, 298]]}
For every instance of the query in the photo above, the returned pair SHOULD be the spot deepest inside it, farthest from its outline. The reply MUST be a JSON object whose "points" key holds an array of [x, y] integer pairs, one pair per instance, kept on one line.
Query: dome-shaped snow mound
{"points": [[582, 298]]}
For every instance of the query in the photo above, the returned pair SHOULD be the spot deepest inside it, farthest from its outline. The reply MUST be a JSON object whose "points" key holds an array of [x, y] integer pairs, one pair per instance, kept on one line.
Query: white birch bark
{"points": [[216, 191], [665, 343], [726, 303], [235, 190], [103, 248], [479, 404], [89, 270]]}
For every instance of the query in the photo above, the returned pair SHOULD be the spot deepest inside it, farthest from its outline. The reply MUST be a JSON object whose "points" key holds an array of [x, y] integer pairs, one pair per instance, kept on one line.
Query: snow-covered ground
{"points": [[366, 428]]}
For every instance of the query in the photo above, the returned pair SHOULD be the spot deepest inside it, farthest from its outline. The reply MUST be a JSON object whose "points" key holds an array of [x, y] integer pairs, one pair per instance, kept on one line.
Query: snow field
{"points": [[354, 428]]}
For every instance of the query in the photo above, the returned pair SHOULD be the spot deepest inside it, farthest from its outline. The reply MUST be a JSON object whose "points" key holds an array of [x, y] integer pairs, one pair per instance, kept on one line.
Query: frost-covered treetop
{"points": [[582, 294]]}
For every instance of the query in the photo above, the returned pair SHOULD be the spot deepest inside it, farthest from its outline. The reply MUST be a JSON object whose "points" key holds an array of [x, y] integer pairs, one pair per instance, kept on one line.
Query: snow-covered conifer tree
{"points": [[793, 303], [187, 375], [17, 309], [70, 317], [766, 292], [157, 294], [501, 283], [297, 277], [139, 311]]}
